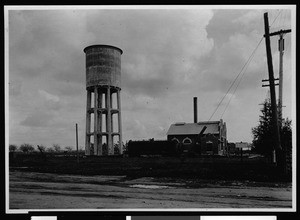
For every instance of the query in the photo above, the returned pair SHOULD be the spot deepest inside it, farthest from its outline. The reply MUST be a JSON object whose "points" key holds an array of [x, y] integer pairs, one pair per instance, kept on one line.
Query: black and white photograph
{"points": [[150, 108]]}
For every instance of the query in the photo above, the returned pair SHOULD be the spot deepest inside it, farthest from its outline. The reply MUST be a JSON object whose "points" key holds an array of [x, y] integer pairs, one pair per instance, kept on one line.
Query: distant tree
{"points": [[50, 150], [41, 148], [251, 147], [26, 148], [116, 149], [13, 148], [263, 135], [104, 149], [69, 148], [57, 147], [286, 134], [81, 149]]}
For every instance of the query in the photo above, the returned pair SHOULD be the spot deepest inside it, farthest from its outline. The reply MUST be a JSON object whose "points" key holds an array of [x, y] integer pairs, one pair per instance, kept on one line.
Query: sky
{"points": [[170, 55]]}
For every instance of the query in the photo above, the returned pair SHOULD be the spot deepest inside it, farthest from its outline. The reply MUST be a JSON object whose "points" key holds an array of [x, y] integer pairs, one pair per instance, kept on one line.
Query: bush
{"points": [[13, 148], [57, 148], [69, 149], [41, 148], [50, 150], [26, 148]]}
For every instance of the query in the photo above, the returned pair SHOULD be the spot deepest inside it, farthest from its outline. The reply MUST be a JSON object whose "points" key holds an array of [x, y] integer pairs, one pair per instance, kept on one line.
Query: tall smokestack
{"points": [[195, 110]]}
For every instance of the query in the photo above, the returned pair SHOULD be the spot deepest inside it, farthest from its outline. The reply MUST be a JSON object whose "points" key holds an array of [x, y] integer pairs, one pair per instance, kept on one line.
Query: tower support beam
{"points": [[108, 121], [95, 120], [99, 150], [119, 120], [88, 124]]}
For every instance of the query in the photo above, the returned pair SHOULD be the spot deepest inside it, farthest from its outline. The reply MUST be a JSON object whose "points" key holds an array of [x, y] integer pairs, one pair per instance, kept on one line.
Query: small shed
{"points": [[243, 145], [213, 141]]}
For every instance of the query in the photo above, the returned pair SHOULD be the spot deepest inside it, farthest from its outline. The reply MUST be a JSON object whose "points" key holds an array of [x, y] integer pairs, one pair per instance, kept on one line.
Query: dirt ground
{"points": [[31, 190]]}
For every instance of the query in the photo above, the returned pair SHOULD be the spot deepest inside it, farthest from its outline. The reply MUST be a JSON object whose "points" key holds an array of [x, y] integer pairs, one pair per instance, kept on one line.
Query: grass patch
{"points": [[218, 168]]}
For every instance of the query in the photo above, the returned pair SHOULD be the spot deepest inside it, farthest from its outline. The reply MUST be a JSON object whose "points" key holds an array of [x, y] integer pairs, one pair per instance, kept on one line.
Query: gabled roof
{"points": [[193, 128]]}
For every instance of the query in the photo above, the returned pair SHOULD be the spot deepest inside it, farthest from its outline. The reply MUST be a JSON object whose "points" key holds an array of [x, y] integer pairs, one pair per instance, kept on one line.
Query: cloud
{"points": [[15, 87], [231, 52], [38, 119], [162, 57], [222, 25], [50, 101], [69, 89], [48, 96], [150, 87], [51, 44], [169, 57]]}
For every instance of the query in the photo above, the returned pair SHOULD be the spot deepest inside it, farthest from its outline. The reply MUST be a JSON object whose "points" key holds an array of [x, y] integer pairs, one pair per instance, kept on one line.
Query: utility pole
{"points": [[77, 143], [281, 48], [272, 89], [281, 52]]}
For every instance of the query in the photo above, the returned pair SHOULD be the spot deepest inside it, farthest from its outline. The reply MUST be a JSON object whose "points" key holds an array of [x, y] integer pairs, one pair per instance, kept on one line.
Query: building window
{"points": [[187, 141], [209, 146], [175, 140]]}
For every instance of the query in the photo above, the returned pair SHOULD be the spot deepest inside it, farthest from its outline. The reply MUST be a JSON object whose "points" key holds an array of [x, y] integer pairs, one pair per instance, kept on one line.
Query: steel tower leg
{"points": [[119, 121], [99, 149], [95, 120], [88, 124], [108, 122]]}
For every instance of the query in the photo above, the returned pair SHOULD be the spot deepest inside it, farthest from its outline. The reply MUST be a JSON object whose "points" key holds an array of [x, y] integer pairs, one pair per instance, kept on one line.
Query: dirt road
{"points": [[51, 191]]}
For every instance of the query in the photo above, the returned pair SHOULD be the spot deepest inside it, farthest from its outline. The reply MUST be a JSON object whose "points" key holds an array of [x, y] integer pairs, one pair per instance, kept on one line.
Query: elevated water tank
{"points": [[103, 66]]}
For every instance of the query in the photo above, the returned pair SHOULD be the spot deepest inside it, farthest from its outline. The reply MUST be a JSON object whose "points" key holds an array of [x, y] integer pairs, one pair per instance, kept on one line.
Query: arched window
{"points": [[175, 140], [209, 146], [187, 141]]}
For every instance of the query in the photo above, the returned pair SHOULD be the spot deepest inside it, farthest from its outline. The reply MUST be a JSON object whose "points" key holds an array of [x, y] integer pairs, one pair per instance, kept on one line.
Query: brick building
{"points": [[213, 141]]}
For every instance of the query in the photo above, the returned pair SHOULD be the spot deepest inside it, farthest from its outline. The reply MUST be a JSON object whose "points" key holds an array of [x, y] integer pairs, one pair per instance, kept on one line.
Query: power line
{"points": [[280, 20], [234, 91], [276, 18], [236, 77], [247, 62], [284, 18]]}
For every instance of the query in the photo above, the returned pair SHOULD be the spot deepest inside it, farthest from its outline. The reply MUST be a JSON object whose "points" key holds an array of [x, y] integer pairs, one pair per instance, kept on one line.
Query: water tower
{"points": [[103, 108]]}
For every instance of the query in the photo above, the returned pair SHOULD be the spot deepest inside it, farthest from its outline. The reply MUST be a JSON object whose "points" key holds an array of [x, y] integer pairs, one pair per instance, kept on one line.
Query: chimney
{"points": [[195, 110]]}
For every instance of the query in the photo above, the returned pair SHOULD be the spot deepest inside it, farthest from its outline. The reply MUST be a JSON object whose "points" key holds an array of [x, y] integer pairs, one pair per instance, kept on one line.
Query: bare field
{"points": [[33, 190]]}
